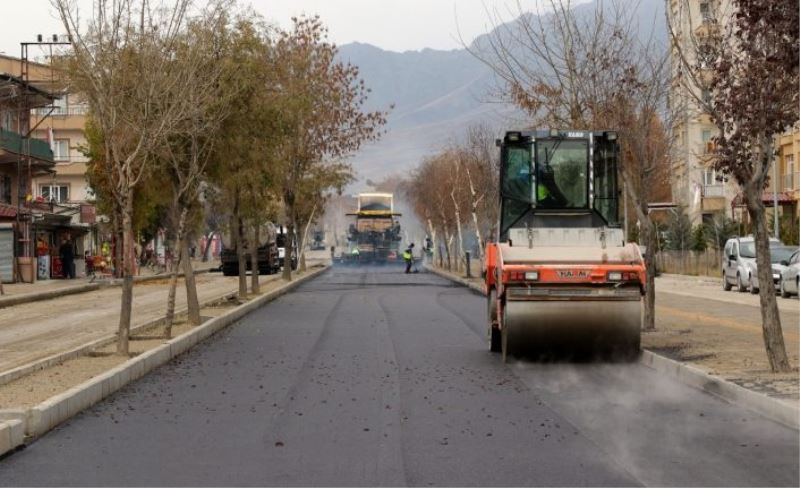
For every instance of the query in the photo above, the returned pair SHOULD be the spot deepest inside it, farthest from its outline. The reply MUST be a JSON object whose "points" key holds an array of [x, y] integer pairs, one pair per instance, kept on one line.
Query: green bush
{"points": [[699, 239], [679, 230]]}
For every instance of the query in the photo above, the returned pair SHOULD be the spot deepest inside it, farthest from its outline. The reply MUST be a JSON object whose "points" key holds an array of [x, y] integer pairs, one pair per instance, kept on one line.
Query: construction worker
{"points": [[547, 190], [408, 257]]}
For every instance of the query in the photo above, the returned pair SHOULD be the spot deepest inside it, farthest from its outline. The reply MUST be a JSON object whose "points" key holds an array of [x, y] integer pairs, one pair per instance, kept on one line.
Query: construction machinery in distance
{"points": [[375, 235], [560, 278], [266, 252]]}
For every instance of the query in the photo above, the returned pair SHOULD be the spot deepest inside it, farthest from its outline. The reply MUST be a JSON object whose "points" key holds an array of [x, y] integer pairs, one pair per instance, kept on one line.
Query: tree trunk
{"points": [[433, 242], [118, 246], [447, 243], [173, 275], [170, 316], [209, 238], [770, 318], [192, 302], [254, 285], [290, 226], [481, 247], [240, 258], [648, 235], [126, 306], [302, 245]]}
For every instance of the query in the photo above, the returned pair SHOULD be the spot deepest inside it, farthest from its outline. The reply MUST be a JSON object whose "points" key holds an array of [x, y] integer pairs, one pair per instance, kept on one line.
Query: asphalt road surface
{"points": [[372, 377]]}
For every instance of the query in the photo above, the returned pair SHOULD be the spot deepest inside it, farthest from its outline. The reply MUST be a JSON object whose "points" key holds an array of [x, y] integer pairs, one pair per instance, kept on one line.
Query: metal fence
{"points": [[696, 263]]}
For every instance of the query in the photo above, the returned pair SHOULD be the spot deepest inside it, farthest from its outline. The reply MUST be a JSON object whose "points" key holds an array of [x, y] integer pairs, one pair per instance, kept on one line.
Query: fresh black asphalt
{"points": [[368, 376]]}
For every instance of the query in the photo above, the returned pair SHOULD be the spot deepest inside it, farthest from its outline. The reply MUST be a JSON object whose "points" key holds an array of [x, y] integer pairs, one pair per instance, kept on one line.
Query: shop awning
{"points": [[7, 211]]}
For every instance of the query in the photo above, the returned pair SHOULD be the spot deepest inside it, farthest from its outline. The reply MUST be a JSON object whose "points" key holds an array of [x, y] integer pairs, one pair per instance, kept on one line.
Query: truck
{"points": [[267, 253], [375, 236], [561, 280], [280, 238]]}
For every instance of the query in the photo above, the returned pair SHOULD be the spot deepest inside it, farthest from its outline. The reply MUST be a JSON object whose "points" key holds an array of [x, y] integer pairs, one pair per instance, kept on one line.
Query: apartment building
{"points": [[61, 124], [695, 183], [788, 169], [57, 197], [22, 159]]}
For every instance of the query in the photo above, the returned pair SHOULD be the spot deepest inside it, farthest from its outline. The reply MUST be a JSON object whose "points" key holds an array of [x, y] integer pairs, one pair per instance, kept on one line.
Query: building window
{"points": [[61, 149], [789, 181], [710, 177], [706, 12], [708, 144], [6, 120], [60, 106], [706, 96], [55, 193], [5, 189]]}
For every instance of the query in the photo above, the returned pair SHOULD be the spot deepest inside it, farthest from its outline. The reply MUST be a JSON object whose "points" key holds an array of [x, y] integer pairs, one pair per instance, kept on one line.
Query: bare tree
{"points": [[322, 100], [122, 62], [187, 153]]}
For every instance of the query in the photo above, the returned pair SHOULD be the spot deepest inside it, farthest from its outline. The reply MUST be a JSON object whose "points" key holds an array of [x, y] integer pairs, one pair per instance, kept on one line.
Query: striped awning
{"points": [[7, 211]]}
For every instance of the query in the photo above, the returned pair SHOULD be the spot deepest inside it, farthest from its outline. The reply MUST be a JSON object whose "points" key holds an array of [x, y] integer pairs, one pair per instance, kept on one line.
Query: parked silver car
{"points": [[778, 256], [790, 276], [739, 263]]}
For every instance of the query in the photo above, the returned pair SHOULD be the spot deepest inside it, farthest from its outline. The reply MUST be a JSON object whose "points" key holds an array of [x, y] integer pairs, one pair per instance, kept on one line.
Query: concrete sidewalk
{"points": [[19, 293]]}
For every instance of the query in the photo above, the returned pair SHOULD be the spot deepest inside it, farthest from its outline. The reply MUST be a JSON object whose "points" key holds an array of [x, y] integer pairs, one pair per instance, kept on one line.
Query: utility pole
{"points": [[625, 208], [776, 230]]}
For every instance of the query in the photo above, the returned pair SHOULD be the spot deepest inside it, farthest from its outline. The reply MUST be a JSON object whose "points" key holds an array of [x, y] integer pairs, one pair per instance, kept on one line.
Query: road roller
{"points": [[561, 280]]}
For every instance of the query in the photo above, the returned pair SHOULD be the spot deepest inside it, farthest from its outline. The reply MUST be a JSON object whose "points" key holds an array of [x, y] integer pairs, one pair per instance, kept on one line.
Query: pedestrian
{"points": [[408, 257], [67, 254]]}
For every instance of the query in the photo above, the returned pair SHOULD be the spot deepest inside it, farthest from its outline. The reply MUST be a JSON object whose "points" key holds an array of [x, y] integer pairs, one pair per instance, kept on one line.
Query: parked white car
{"points": [[778, 256], [739, 263], [790, 276]]}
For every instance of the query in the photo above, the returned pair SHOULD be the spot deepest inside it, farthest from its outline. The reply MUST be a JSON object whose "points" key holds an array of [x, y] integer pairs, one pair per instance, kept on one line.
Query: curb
{"points": [[47, 295], [41, 418], [771, 408], [480, 288], [774, 409], [9, 301], [701, 278]]}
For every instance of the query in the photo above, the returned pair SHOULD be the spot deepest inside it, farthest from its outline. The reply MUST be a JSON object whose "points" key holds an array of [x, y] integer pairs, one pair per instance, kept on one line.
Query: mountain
{"points": [[438, 94]]}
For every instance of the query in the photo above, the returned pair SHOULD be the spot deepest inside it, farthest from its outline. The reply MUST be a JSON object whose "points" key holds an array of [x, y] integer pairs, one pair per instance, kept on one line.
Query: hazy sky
{"points": [[396, 25]]}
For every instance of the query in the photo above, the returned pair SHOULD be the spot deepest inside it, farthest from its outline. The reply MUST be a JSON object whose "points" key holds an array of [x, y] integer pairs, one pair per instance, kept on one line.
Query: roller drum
{"points": [[573, 328]]}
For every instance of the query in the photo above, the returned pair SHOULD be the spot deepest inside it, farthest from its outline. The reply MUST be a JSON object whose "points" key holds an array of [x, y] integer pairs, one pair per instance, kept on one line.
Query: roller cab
{"points": [[561, 279]]}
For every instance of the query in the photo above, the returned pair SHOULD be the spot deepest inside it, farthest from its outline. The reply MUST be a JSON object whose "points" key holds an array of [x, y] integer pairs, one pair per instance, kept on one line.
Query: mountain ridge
{"points": [[438, 94]]}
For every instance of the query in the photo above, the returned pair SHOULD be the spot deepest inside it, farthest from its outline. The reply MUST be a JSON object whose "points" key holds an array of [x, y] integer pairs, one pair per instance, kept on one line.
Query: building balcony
{"points": [[714, 191], [11, 142]]}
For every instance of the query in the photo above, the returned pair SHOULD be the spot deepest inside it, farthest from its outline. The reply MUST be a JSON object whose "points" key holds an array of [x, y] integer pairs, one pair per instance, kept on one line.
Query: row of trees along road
{"points": [[455, 191], [204, 110]]}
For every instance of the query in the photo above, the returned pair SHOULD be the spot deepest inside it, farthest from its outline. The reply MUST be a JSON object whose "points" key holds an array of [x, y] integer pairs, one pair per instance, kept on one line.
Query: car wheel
{"points": [[739, 285], [753, 289], [784, 293], [725, 285]]}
